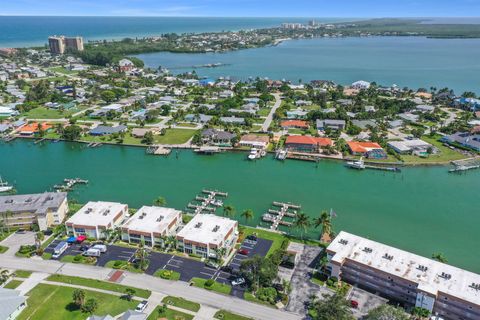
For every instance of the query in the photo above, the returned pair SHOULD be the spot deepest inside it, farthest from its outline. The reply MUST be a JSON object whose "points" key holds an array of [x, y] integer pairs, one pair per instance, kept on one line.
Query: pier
{"points": [[208, 203], [158, 150], [69, 184], [207, 150], [276, 216], [465, 164]]}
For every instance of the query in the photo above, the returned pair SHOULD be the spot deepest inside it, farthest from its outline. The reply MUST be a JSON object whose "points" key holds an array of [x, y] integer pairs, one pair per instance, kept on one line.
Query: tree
{"points": [[130, 292], [302, 222], [78, 297], [387, 312], [228, 211], [148, 138], [247, 215], [141, 256], [71, 132], [325, 221], [90, 306], [439, 257], [108, 96], [160, 202], [332, 307]]}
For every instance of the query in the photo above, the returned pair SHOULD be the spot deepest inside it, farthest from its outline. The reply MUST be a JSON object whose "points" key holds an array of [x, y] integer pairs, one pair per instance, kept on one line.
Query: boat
{"points": [[359, 164], [4, 186], [254, 154], [281, 154]]}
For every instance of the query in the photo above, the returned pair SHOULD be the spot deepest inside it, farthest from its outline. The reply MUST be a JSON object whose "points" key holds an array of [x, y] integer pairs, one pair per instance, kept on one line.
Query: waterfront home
{"points": [[322, 84], [151, 225], [217, 137], [254, 141], [4, 127], [331, 124], [232, 120], [307, 144], [102, 130], [360, 85], [349, 92], [467, 103], [44, 209], [424, 95], [8, 112], [465, 139], [33, 128], [12, 303], [413, 280], [125, 65], [208, 236], [415, 146], [140, 132], [368, 149], [296, 114], [116, 107], [96, 218], [298, 124]]}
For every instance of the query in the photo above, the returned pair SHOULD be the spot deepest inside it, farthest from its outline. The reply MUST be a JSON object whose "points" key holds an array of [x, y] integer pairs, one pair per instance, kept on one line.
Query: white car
{"points": [[141, 306], [238, 281]]}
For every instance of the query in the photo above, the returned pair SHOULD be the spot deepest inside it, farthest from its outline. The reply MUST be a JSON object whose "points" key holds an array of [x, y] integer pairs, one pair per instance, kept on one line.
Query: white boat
{"points": [[254, 154], [359, 164], [281, 154], [4, 187]]}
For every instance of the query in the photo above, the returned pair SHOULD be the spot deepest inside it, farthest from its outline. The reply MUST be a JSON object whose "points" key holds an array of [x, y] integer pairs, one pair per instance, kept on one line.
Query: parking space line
{"points": [[207, 274]]}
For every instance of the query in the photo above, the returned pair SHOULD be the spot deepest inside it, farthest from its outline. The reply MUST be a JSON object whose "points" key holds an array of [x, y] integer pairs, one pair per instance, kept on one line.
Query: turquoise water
{"points": [[28, 31], [406, 61], [422, 209]]}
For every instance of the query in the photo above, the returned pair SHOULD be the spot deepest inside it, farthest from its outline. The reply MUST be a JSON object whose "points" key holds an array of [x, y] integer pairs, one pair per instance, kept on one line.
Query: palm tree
{"points": [[228, 211], [439, 257], [325, 221], [302, 222], [160, 202], [247, 215], [79, 297]]}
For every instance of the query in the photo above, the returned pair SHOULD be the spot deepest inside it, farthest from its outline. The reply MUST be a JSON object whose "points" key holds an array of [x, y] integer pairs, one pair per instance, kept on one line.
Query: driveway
{"points": [[366, 301], [268, 120], [15, 240], [302, 287]]}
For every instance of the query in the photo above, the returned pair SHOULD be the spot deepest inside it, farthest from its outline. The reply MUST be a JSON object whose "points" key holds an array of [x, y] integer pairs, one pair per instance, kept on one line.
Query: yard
{"points": [[225, 315], [216, 286], [56, 303], [444, 156], [175, 136], [47, 113], [169, 314], [92, 283], [13, 284], [181, 303]]}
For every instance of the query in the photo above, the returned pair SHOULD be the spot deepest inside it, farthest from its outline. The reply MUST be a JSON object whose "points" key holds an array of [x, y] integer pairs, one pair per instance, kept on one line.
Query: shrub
{"points": [[165, 274], [267, 294], [209, 283], [78, 258]]}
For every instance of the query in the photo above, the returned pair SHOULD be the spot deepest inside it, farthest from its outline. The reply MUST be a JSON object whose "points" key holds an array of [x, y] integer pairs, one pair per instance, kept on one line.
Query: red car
{"points": [[354, 304], [243, 251], [80, 239]]}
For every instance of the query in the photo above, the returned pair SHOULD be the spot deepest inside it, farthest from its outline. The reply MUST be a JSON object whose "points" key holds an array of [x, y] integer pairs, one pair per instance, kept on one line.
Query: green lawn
{"points": [[277, 238], [444, 156], [248, 296], [167, 274], [181, 303], [263, 112], [225, 315], [23, 274], [169, 315], [55, 303], [3, 249], [78, 259], [44, 113], [217, 287], [13, 284], [122, 265], [175, 136], [92, 283], [62, 70]]}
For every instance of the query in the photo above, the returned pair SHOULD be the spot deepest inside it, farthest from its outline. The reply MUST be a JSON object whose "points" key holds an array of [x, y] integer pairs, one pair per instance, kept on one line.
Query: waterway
{"points": [[421, 209], [405, 61]]}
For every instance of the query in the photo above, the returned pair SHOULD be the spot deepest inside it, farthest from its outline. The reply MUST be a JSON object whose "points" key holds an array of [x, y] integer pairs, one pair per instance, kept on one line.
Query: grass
{"points": [[23, 274], [47, 242], [62, 70], [78, 259], [181, 303], [5, 234], [92, 283], [444, 156], [226, 315], [169, 314], [122, 265], [167, 274], [248, 296], [175, 136], [44, 113], [46, 256], [277, 238], [217, 287], [13, 284], [55, 303], [3, 249]]}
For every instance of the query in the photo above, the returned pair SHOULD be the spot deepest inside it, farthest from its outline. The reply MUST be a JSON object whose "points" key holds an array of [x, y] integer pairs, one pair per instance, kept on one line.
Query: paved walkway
{"points": [[205, 313], [31, 282], [268, 120], [172, 288]]}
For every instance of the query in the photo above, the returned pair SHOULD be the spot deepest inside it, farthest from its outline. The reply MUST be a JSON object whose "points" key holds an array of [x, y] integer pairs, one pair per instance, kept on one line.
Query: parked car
{"points": [[142, 306], [238, 282], [59, 249], [84, 248], [354, 304], [101, 247], [243, 252], [92, 253], [252, 238], [212, 264], [226, 269]]}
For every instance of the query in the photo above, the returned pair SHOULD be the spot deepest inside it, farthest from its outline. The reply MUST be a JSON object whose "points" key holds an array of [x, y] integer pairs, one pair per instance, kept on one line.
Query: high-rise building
{"points": [[58, 44]]}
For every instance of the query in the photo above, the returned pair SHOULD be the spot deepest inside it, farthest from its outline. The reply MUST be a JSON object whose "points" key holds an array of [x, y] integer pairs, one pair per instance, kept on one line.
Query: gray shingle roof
{"points": [[38, 203], [10, 300]]}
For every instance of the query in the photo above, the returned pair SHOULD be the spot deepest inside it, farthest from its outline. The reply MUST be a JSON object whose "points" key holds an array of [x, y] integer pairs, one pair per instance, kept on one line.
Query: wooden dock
{"points": [[276, 217], [158, 150], [208, 203], [69, 184], [465, 165]]}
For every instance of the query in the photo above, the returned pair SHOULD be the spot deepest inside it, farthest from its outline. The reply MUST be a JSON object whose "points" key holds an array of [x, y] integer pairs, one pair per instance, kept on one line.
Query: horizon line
{"points": [[220, 16]]}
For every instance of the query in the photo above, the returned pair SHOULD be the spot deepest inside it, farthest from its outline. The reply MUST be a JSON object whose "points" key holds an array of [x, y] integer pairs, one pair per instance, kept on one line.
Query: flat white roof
{"points": [[97, 213], [406, 265], [207, 228], [152, 219]]}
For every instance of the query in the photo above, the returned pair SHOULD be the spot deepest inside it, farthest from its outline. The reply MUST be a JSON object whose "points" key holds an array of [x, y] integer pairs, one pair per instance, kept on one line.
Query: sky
{"points": [[244, 8]]}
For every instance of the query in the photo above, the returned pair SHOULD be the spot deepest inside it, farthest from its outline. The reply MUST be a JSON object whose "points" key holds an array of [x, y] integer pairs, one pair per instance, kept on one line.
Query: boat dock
{"points": [[207, 150], [281, 154], [465, 164], [276, 216], [208, 203], [69, 184], [9, 138], [158, 150], [94, 145]]}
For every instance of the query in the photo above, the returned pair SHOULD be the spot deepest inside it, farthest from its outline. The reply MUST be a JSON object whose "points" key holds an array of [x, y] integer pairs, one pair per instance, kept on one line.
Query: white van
{"points": [[92, 253], [101, 247], [59, 249]]}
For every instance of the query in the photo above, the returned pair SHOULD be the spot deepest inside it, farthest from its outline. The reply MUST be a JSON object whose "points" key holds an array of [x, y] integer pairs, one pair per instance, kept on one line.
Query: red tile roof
{"points": [[33, 127], [323, 142], [362, 147], [294, 123]]}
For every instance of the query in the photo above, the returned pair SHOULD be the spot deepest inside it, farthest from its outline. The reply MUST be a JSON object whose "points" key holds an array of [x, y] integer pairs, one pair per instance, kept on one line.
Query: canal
{"points": [[422, 209]]}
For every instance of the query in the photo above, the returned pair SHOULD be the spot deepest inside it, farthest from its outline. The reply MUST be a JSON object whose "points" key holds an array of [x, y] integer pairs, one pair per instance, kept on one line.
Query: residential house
{"points": [[464, 139], [307, 144], [368, 149], [298, 124], [360, 85], [416, 146], [12, 304], [217, 137], [33, 128], [296, 114], [322, 125], [254, 141], [102, 130]]}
